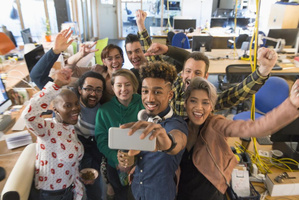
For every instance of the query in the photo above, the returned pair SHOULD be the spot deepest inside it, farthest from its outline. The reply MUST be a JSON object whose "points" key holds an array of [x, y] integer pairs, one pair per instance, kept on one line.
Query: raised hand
{"points": [[63, 77], [267, 59], [86, 49], [156, 49], [294, 95], [61, 42], [140, 18]]}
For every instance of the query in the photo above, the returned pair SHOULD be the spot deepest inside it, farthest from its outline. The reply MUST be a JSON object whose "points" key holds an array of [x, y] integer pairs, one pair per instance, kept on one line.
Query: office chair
{"points": [[239, 40], [235, 74], [170, 35], [6, 44], [181, 40], [101, 44], [18, 184], [272, 94]]}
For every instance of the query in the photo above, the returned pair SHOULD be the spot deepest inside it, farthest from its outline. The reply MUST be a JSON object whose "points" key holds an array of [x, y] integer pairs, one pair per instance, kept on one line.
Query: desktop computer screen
{"points": [[32, 57], [289, 35], [202, 41], [26, 35], [5, 102], [286, 140], [184, 23]]}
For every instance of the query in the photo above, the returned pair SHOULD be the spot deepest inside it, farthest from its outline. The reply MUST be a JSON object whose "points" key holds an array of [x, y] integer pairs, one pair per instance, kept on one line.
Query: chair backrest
{"points": [[242, 38], [6, 44], [272, 94], [170, 35], [101, 44], [18, 184], [181, 40], [236, 73]]}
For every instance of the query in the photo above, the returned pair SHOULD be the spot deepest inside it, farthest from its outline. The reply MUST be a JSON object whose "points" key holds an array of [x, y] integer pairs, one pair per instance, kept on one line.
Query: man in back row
{"points": [[195, 64]]}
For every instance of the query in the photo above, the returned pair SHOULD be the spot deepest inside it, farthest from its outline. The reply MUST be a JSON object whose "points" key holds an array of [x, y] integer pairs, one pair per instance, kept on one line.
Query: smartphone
{"points": [[118, 138]]}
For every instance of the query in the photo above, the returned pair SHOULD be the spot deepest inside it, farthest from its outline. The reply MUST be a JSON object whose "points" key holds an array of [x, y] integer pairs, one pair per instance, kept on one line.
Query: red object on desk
{"points": [[6, 44]]}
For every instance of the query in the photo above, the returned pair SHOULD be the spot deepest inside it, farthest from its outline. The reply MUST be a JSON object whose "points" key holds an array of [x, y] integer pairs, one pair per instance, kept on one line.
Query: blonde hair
{"points": [[199, 83], [129, 75]]}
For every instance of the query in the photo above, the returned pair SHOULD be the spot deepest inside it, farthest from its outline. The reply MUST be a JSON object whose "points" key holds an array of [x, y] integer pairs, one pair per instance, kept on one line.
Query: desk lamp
{"points": [[245, 47], [280, 43]]}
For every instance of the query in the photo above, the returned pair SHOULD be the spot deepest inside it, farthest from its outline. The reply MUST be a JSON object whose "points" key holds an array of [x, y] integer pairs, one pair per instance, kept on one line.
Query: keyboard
{"points": [[264, 140]]}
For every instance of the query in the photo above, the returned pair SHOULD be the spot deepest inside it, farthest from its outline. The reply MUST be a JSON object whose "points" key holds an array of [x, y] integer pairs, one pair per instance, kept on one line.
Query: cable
{"points": [[23, 81]]}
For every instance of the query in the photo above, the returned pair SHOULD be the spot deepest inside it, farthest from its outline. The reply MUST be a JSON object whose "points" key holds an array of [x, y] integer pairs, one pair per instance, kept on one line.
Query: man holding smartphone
{"points": [[154, 176]]}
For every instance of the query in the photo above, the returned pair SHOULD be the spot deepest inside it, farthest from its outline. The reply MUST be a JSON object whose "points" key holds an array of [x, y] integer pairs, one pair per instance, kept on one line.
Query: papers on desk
{"points": [[18, 139]]}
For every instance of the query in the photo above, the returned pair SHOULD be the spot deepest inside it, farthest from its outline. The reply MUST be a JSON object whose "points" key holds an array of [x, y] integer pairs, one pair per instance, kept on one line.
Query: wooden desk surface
{"points": [[8, 157], [15, 73], [260, 187], [218, 66]]}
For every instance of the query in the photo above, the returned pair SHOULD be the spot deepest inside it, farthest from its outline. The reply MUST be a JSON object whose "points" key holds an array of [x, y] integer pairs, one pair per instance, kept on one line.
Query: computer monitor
{"points": [[202, 41], [286, 140], [289, 35], [33, 56], [5, 102], [26, 35], [184, 23]]}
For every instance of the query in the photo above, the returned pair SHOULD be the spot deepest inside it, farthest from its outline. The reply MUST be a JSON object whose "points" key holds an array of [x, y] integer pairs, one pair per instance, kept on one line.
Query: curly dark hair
{"points": [[158, 69]]}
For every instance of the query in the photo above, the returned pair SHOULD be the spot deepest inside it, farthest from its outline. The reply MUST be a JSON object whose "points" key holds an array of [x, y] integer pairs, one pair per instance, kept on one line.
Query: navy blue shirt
{"points": [[41, 70], [155, 171]]}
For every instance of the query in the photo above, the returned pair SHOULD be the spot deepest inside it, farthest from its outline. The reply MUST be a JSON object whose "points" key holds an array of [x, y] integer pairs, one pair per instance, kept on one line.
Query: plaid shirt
{"points": [[146, 41], [228, 98]]}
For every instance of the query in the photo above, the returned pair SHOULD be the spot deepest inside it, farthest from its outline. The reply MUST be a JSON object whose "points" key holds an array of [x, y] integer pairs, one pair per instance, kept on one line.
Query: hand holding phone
{"points": [[118, 138]]}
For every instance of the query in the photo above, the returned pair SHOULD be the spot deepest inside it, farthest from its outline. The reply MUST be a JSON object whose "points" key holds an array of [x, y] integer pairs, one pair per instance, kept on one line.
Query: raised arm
{"points": [[40, 102], [41, 70], [273, 121], [251, 84], [84, 50], [178, 54]]}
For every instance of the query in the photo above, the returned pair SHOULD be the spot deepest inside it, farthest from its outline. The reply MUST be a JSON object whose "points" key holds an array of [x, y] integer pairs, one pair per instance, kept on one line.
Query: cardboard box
{"points": [[287, 188]]}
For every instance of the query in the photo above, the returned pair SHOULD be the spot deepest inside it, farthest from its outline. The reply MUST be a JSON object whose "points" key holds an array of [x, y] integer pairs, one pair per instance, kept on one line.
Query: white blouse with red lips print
{"points": [[58, 149]]}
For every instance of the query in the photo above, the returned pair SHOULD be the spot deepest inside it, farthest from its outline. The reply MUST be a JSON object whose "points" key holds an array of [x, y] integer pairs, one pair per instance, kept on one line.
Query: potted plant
{"points": [[48, 32]]}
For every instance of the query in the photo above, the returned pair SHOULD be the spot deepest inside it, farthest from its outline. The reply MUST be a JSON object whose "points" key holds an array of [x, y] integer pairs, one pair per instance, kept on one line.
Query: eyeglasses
{"points": [[91, 90]]}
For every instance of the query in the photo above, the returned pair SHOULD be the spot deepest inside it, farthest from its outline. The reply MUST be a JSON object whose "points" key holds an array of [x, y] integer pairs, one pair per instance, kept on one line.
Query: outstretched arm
{"points": [[251, 84], [84, 50], [41, 70]]}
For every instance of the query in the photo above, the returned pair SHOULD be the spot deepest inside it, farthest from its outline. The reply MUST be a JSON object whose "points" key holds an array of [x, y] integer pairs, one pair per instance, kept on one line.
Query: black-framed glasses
{"points": [[91, 90]]}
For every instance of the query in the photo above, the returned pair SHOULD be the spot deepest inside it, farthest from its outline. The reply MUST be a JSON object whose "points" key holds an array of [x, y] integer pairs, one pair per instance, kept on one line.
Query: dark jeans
{"points": [[121, 192], [64, 194], [92, 159]]}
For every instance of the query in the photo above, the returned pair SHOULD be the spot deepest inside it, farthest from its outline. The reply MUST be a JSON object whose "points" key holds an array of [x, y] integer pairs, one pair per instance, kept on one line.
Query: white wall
{"points": [[265, 8], [201, 10]]}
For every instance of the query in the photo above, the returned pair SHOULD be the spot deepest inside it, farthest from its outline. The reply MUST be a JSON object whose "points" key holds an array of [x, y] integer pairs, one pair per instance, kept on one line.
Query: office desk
{"points": [[15, 73], [8, 157], [260, 187], [218, 66]]}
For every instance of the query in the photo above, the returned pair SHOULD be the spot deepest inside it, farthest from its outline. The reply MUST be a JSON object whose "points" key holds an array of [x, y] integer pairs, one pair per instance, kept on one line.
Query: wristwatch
{"points": [[173, 143]]}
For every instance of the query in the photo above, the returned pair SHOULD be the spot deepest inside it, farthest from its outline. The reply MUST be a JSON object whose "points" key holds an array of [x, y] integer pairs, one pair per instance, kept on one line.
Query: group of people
{"points": [[176, 109]]}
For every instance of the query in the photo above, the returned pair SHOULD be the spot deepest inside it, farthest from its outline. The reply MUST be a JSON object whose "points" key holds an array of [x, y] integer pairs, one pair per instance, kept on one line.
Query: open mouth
{"points": [[75, 116], [198, 114], [151, 107]]}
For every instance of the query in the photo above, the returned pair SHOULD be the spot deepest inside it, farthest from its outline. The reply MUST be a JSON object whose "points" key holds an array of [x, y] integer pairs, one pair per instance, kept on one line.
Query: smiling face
{"points": [[156, 94], [91, 92], [113, 61], [193, 68], [67, 108], [198, 106], [135, 54], [123, 90]]}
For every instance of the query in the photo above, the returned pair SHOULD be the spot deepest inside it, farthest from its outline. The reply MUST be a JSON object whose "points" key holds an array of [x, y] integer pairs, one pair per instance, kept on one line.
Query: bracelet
{"points": [[173, 143]]}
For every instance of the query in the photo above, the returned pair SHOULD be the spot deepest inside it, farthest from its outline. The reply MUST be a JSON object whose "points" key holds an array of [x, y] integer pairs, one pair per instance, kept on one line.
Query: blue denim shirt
{"points": [[155, 171]]}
